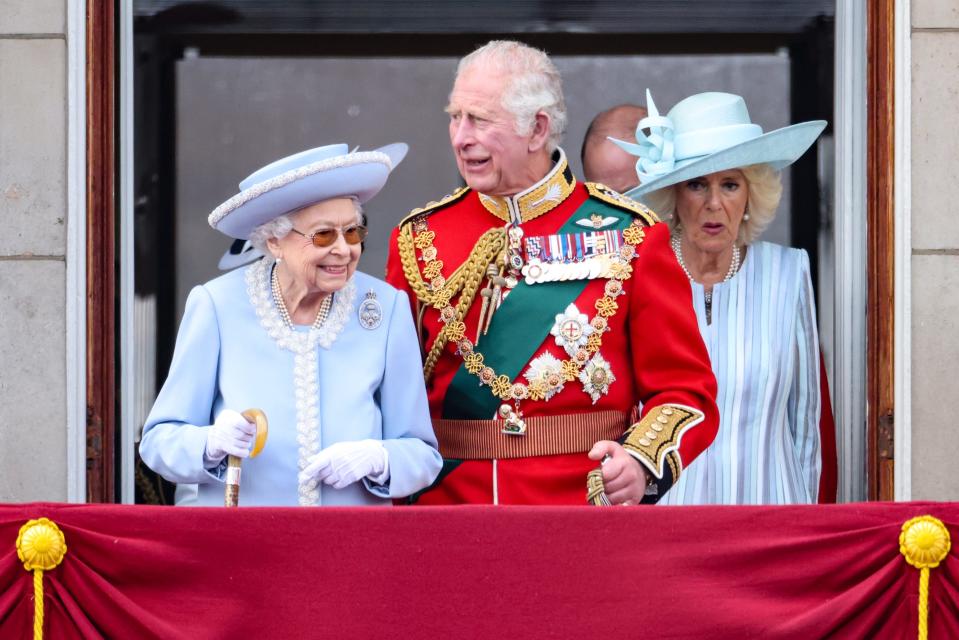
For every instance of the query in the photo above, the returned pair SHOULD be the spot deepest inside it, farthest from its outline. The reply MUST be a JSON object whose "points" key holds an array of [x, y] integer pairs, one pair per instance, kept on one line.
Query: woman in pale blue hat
{"points": [[327, 353], [714, 175]]}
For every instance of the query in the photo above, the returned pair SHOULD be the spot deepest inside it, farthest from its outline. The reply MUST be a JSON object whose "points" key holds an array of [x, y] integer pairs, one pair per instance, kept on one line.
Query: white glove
{"points": [[344, 463], [231, 434]]}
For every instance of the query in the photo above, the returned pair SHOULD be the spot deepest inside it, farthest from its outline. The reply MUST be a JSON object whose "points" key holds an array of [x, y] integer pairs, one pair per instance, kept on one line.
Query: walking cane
{"points": [[258, 418]]}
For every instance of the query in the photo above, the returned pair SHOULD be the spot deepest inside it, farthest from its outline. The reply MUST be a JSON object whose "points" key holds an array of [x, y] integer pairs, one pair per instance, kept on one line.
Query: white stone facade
{"points": [[934, 33], [33, 211]]}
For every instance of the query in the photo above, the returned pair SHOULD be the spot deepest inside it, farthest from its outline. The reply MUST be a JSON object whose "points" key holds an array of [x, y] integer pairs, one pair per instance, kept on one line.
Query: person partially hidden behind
{"points": [[605, 162], [715, 175], [549, 311], [329, 354]]}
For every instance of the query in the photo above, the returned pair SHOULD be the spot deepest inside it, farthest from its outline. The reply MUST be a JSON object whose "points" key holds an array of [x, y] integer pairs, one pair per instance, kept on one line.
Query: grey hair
{"points": [[535, 85], [280, 227], [765, 190]]}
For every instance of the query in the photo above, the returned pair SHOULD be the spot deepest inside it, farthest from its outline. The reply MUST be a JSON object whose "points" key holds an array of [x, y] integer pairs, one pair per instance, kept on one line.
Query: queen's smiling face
{"points": [[319, 270]]}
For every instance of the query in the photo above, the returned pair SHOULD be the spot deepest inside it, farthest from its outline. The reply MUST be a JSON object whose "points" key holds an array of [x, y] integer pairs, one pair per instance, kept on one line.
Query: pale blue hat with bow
{"points": [[706, 133], [302, 179]]}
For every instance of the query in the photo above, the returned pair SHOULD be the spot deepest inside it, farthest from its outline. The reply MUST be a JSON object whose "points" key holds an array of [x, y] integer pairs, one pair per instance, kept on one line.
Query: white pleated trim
{"points": [[257, 190], [303, 344]]}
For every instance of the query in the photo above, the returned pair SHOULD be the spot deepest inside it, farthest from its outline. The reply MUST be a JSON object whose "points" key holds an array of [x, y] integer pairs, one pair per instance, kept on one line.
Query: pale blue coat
{"points": [[764, 350], [232, 352]]}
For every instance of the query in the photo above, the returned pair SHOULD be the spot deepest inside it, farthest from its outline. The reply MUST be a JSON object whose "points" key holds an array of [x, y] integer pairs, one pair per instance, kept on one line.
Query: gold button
{"points": [[644, 442], [657, 427], [662, 419], [650, 435], [667, 411]]}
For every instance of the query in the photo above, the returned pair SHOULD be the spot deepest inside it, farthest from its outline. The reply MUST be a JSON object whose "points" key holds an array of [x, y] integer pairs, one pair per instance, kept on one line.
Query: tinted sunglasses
{"points": [[353, 234]]}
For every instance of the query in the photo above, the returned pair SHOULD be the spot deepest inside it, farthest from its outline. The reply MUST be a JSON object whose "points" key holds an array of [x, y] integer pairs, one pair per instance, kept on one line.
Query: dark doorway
{"points": [[170, 34]]}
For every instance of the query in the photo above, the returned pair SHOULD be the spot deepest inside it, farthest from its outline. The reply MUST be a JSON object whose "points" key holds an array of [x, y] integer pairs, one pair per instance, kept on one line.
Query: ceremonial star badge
{"points": [[571, 329], [596, 377], [546, 370]]}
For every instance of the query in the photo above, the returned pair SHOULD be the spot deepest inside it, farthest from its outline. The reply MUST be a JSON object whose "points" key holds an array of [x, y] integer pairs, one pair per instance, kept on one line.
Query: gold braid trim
{"points": [[675, 465], [465, 280], [435, 205], [657, 435], [618, 200]]}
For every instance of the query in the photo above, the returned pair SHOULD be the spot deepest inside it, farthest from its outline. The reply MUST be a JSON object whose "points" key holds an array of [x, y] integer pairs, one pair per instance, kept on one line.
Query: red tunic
{"points": [[653, 347]]}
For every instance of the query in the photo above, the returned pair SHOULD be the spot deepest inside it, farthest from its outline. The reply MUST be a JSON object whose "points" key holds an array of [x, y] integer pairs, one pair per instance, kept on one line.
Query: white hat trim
{"points": [[257, 190]]}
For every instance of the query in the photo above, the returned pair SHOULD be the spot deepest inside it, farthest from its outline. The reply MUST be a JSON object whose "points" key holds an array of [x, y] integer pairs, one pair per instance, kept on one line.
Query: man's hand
{"points": [[624, 476]]}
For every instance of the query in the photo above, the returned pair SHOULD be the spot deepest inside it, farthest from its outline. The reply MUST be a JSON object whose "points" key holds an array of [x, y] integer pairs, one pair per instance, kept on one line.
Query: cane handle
{"points": [[232, 493], [258, 418]]}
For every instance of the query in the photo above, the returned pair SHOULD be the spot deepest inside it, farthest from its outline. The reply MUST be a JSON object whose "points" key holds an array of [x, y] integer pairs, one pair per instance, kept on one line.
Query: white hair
{"points": [[535, 85], [280, 227], [765, 190]]}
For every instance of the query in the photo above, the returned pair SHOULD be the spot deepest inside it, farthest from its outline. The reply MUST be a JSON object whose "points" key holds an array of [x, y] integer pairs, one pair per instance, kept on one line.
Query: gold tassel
{"points": [[40, 547], [487, 294], [596, 488], [925, 543]]}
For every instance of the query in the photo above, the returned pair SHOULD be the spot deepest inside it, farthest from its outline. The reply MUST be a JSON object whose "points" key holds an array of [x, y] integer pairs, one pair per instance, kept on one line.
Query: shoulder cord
{"points": [[465, 280]]}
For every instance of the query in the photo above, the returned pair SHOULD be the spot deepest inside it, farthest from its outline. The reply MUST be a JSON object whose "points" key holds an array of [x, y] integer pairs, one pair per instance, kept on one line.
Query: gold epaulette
{"points": [[618, 200], [436, 205]]}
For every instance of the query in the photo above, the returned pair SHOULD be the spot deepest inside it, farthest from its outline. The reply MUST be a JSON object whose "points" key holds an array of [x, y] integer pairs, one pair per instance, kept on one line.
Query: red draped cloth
{"points": [[479, 572]]}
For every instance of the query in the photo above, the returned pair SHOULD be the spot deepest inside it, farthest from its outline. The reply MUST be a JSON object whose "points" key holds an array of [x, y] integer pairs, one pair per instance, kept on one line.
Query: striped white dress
{"points": [[765, 354]]}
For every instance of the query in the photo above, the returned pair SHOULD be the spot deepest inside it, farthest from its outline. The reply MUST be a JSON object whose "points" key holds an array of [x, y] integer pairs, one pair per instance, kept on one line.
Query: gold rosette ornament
{"points": [[40, 547], [925, 543]]}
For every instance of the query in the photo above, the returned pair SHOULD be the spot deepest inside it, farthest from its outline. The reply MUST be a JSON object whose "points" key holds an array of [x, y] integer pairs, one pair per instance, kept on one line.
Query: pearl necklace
{"points": [[676, 244], [285, 314]]}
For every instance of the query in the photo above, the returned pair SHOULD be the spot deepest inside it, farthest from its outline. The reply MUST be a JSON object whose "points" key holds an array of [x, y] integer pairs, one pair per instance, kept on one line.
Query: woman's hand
{"points": [[230, 434], [344, 463], [623, 475]]}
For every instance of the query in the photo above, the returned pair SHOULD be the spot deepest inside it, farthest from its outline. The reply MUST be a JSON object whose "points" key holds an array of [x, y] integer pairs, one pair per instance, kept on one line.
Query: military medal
{"points": [[572, 256], [370, 312], [515, 235], [515, 261], [534, 272], [572, 329]]}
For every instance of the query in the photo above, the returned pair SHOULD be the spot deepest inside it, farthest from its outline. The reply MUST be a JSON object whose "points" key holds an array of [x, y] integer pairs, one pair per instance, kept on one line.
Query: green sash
{"points": [[520, 326]]}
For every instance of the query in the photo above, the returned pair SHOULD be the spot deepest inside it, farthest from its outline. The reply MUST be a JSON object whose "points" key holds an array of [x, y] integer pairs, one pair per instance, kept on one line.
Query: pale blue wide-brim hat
{"points": [[706, 133], [305, 178]]}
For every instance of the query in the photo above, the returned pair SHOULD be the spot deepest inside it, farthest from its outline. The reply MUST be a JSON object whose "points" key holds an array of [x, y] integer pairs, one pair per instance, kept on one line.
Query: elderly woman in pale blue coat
{"points": [[714, 174], [329, 354]]}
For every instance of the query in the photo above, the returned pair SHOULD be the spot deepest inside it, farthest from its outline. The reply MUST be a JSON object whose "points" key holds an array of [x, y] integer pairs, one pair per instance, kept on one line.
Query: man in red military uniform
{"points": [[557, 327]]}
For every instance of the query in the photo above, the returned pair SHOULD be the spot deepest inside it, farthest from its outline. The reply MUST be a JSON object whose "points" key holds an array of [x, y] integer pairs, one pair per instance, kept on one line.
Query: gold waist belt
{"points": [[545, 435]]}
